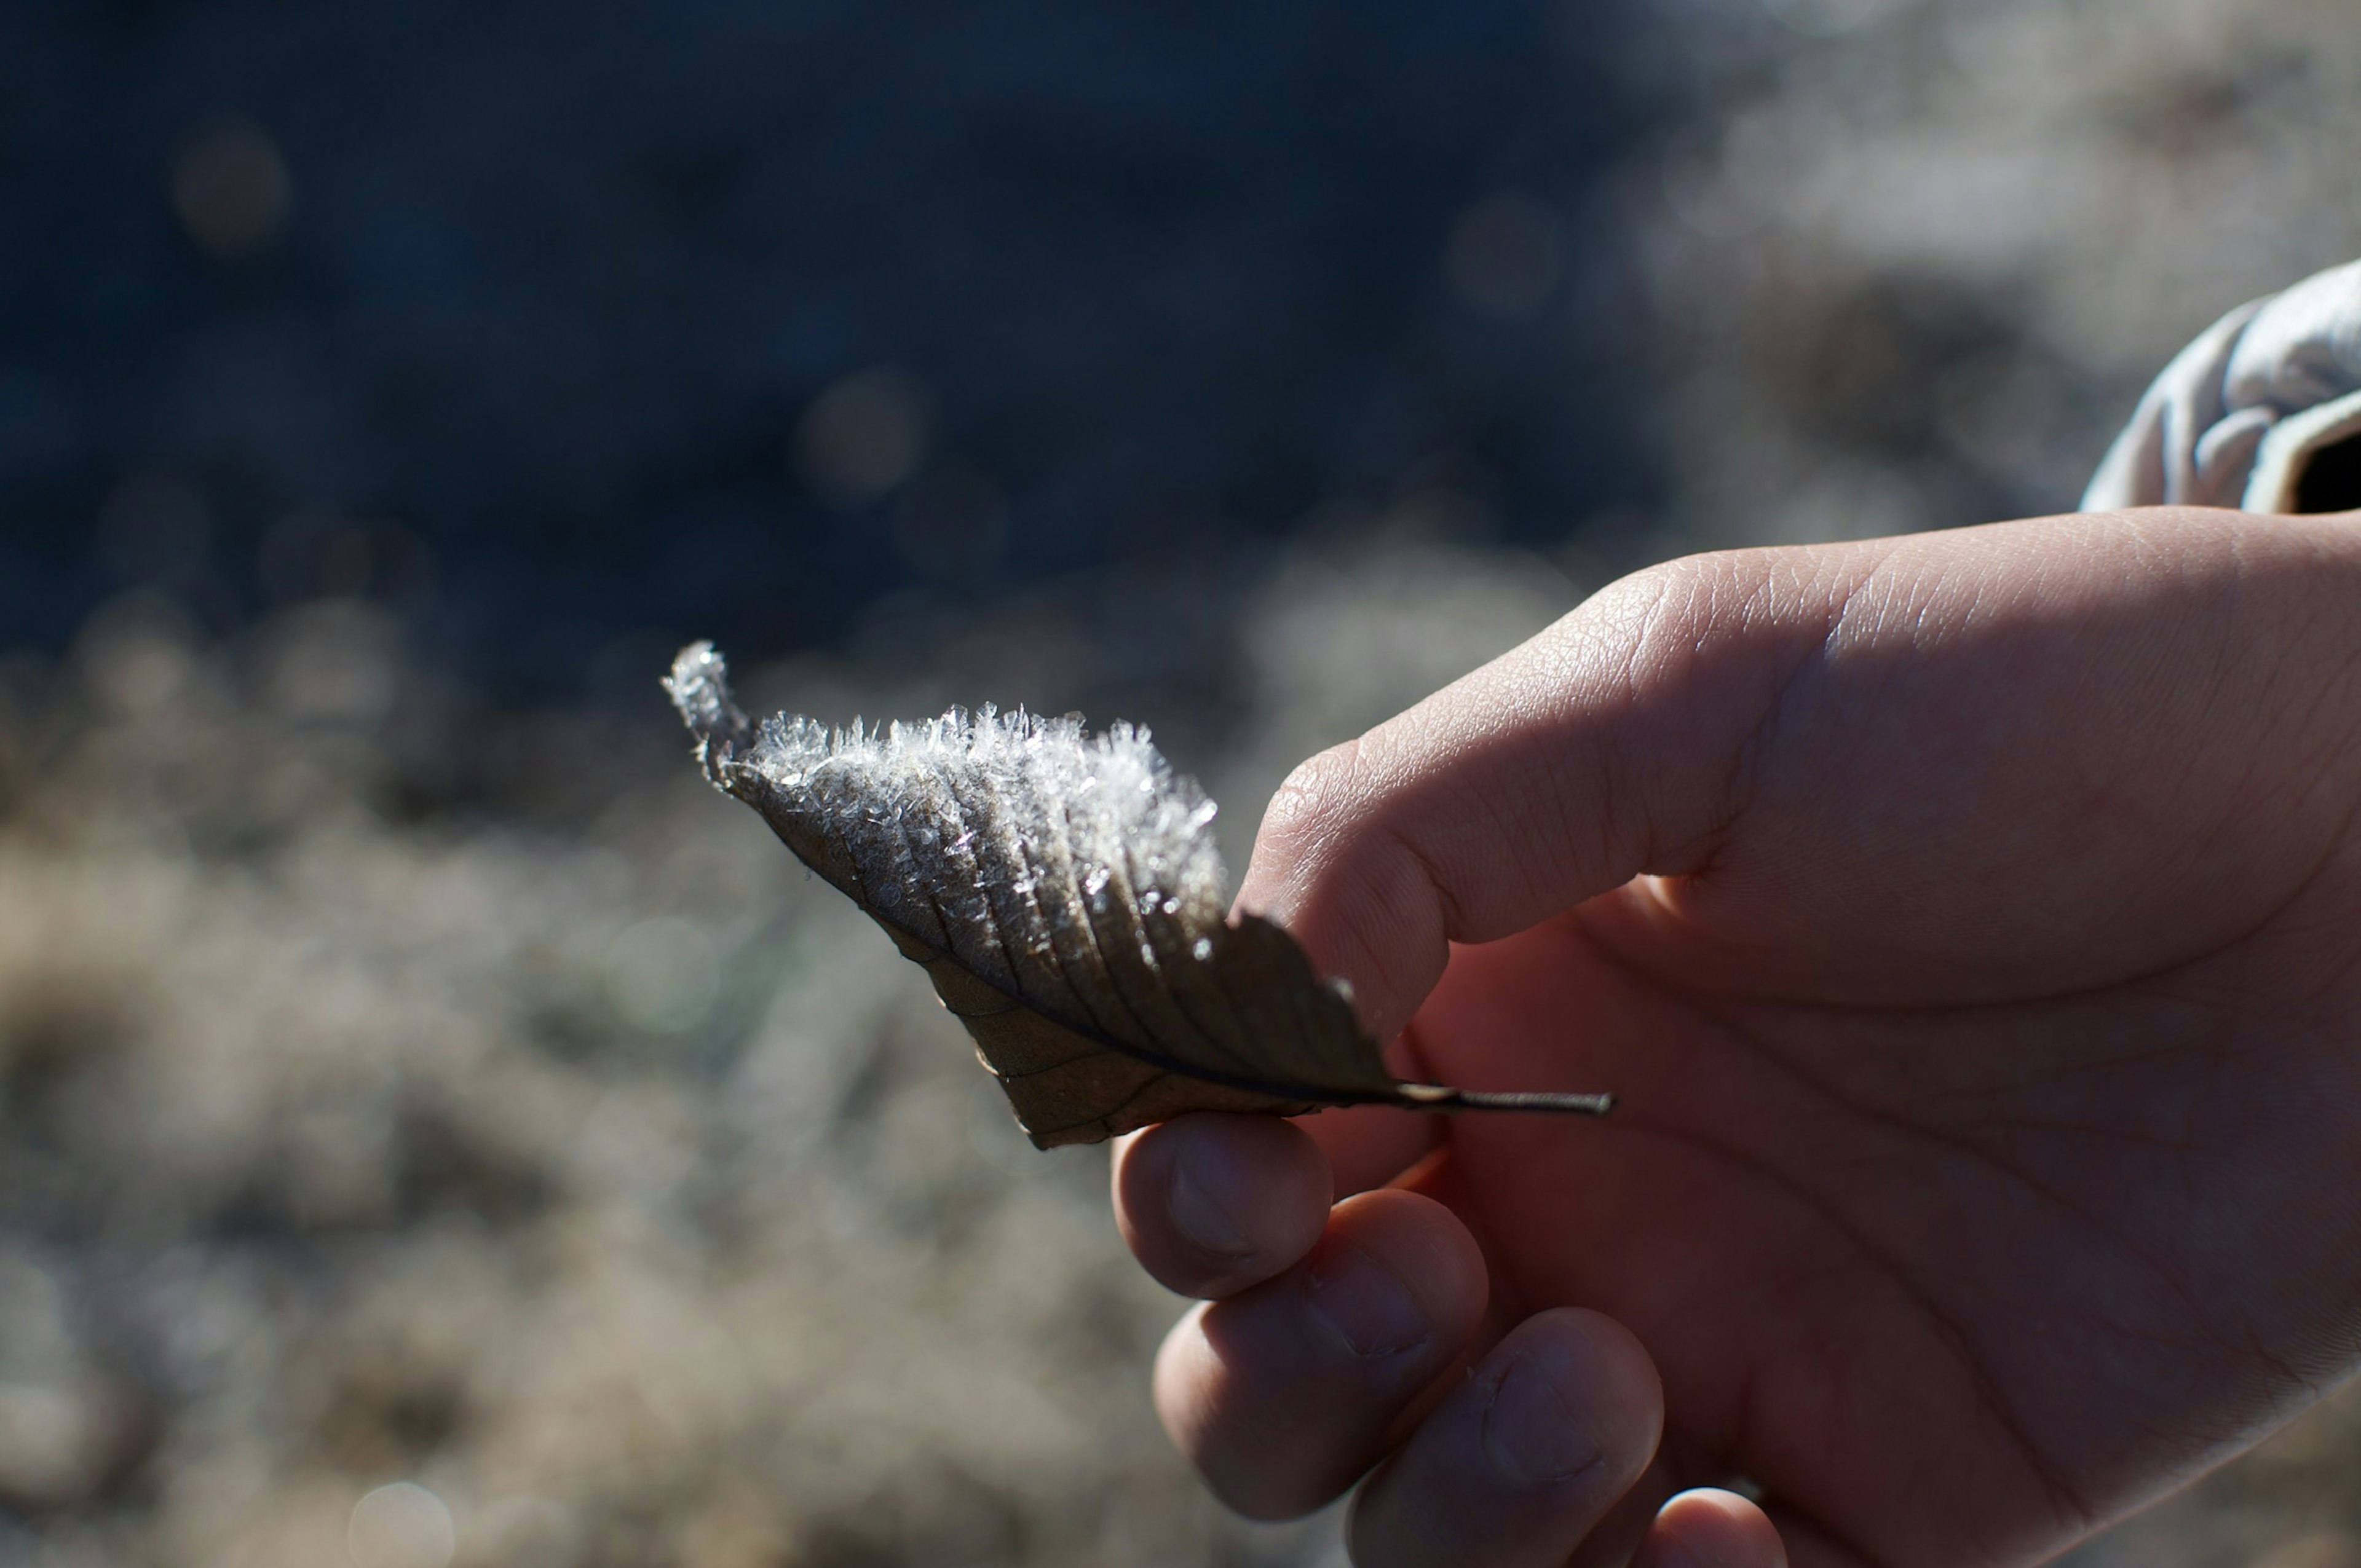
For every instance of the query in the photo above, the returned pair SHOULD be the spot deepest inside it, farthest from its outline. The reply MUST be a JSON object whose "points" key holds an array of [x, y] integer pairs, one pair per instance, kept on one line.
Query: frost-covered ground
{"points": [[587, 1165], [573, 1158]]}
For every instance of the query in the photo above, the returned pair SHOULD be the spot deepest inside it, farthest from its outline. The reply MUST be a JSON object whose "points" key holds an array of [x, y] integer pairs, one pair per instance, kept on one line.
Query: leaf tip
{"points": [[700, 689]]}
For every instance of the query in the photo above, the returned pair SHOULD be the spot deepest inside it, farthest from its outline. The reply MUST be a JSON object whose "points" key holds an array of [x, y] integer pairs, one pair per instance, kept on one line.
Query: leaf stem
{"points": [[1442, 1097]]}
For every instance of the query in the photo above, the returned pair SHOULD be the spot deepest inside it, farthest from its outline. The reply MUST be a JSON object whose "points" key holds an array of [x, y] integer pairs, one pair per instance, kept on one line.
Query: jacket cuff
{"points": [[2262, 413]]}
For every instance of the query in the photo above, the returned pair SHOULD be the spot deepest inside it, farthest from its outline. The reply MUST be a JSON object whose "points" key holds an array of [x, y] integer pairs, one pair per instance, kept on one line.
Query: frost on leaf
{"points": [[1062, 891]]}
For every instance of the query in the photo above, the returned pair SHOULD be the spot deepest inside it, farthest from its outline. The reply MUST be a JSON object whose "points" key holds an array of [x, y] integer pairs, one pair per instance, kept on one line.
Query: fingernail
{"points": [[1196, 1215], [1358, 1301], [1529, 1435]]}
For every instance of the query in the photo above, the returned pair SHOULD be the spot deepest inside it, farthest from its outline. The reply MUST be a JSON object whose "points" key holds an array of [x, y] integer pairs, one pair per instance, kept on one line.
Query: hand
{"points": [[1971, 926]]}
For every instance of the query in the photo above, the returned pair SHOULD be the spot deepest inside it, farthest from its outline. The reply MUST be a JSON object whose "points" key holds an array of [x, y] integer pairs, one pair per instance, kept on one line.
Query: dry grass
{"points": [[601, 1173]]}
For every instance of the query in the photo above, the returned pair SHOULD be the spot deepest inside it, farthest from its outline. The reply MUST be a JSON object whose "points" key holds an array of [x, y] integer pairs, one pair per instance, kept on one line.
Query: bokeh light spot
{"points": [[1710, 189], [135, 652], [1507, 255], [229, 185], [333, 661], [402, 1526], [865, 436]]}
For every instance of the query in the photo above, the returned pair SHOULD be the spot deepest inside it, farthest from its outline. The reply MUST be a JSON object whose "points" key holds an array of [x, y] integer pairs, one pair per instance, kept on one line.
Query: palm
{"points": [[1949, 1278]]}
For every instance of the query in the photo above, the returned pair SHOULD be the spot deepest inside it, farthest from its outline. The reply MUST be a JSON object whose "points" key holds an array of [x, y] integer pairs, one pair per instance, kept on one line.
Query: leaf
{"points": [[1062, 891]]}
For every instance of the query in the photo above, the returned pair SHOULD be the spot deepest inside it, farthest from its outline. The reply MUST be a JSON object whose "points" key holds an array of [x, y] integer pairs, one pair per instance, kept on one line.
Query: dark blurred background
{"points": [[556, 324], [434, 1129]]}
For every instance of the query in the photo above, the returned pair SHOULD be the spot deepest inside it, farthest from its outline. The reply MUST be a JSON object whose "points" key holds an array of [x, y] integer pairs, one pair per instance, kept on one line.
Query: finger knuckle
{"points": [[1318, 800]]}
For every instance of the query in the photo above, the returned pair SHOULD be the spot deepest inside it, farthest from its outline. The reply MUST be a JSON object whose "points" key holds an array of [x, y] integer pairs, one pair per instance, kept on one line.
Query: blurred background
{"points": [[433, 1128]]}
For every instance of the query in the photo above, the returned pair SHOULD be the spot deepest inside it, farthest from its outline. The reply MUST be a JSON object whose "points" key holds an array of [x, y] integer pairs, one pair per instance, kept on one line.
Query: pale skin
{"points": [[1969, 924]]}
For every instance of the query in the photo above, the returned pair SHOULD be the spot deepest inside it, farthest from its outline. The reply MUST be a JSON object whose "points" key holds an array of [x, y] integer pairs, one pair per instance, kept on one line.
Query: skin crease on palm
{"points": [[1968, 924]]}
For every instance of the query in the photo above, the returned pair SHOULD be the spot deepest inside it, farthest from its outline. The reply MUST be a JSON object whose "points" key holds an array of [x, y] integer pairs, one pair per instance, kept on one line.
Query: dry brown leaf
{"points": [[1062, 891]]}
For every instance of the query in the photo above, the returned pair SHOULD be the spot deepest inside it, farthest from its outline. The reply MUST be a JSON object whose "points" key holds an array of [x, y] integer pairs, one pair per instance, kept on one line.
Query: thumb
{"points": [[1614, 744]]}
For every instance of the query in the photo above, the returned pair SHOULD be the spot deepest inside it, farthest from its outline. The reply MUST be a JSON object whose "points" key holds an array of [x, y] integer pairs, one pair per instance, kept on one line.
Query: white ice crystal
{"points": [[1013, 826]]}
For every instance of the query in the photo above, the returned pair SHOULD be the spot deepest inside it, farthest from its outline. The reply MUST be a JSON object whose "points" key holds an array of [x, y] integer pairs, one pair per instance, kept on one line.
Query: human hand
{"points": [[1969, 924]]}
